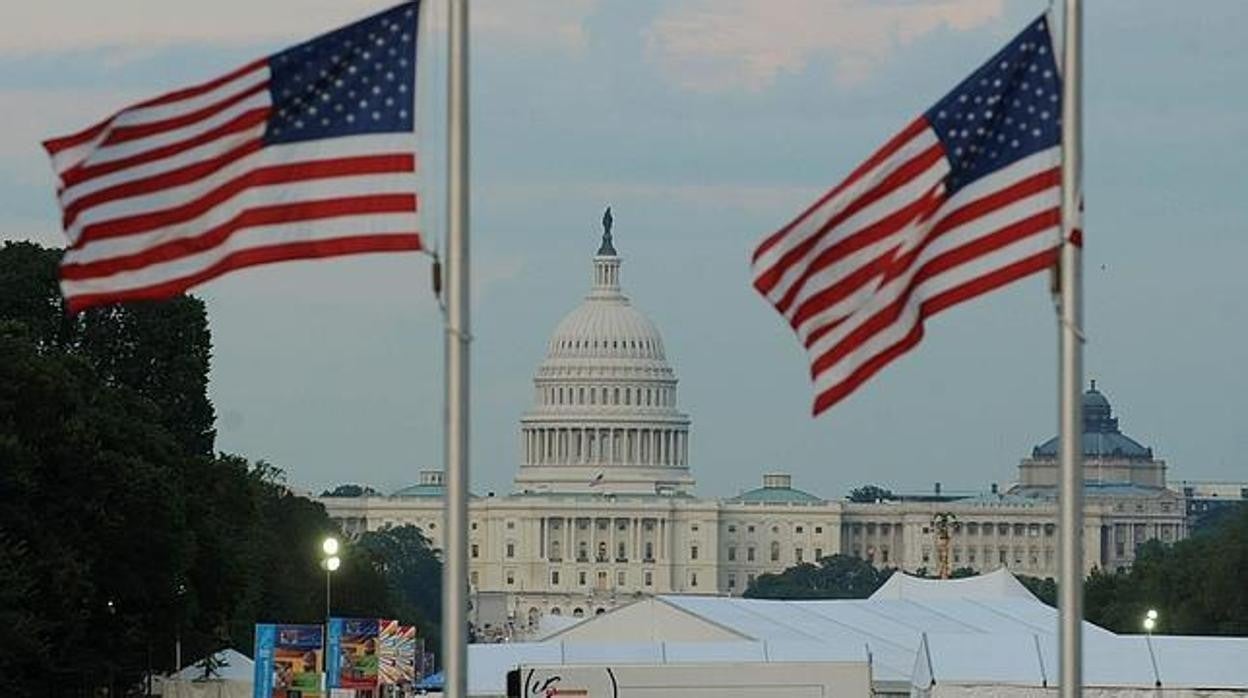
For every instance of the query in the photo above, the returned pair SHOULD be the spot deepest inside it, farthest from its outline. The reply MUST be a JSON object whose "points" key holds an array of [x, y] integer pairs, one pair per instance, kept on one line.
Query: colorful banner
{"points": [[353, 652], [288, 661], [398, 653]]}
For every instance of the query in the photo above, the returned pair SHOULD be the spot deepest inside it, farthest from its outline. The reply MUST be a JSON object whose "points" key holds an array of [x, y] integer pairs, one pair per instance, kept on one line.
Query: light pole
{"points": [[1150, 622], [330, 547]]}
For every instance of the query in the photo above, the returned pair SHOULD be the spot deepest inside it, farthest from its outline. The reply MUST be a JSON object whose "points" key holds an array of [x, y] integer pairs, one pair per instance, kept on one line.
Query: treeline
{"points": [[121, 529], [1199, 586]]}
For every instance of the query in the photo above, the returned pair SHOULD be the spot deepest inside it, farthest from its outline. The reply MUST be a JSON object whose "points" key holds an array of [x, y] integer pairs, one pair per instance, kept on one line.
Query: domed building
{"points": [[604, 510], [604, 411]]}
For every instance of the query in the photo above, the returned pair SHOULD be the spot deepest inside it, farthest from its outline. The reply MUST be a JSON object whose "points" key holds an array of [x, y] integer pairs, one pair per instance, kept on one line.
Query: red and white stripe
{"points": [[857, 273], [180, 189]]}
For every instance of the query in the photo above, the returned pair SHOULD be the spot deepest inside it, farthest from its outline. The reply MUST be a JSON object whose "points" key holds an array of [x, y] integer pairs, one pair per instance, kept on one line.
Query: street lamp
{"points": [[1150, 622], [332, 562]]}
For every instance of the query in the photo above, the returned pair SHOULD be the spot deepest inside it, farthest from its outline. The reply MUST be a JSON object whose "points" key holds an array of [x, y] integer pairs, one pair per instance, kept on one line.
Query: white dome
{"points": [[604, 416], [606, 328]]}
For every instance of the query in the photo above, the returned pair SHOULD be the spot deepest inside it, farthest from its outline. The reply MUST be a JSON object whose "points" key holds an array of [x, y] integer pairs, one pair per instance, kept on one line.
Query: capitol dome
{"points": [[604, 417]]}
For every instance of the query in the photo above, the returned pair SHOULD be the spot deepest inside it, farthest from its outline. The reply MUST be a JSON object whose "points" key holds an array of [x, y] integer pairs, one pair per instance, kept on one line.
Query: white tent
{"points": [[234, 678], [1113, 665]]}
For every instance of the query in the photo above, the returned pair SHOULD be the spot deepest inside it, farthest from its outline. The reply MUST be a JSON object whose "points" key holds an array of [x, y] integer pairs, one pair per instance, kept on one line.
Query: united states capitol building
{"points": [[604, 507]]}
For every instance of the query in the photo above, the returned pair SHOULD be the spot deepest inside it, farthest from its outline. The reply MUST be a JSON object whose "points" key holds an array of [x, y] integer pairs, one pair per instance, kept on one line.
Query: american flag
{"points": [[965, 199], [309, 152]]}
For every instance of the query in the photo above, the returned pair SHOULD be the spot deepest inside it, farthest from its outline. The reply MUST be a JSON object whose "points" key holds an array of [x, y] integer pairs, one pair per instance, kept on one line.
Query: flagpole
{"points": [[455, 551], [1070, 406]]}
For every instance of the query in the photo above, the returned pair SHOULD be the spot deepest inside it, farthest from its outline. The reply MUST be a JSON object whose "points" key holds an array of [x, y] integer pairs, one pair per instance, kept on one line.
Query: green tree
{"points": [[870, 493], [413, 574], [160, 350], [835, 577], [351, 490]]}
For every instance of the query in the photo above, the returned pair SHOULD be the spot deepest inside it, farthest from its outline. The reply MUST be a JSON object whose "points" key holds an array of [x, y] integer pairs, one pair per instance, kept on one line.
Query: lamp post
{"points": [[1150, 622], [330, 547]]}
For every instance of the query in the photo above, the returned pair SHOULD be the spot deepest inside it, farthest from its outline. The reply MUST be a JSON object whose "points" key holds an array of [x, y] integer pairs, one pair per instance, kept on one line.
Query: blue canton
{"points": [[1008, 109], [357, 79]]}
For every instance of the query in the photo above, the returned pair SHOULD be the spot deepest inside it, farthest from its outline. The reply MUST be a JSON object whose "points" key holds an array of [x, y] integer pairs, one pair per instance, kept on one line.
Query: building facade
{"points": [[604, 511]]}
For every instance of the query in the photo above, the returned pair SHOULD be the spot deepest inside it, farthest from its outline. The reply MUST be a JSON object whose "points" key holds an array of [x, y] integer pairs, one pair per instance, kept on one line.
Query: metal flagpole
{"points": [[1070, 406], [455, 550]]}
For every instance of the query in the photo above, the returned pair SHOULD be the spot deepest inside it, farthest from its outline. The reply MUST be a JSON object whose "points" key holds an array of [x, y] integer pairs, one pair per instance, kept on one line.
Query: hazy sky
{"points": [[706, 124]]}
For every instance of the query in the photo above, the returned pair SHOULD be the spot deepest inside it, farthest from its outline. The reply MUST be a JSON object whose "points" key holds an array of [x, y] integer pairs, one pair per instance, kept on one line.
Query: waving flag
{"points": [[967, 198], [307, 153]]}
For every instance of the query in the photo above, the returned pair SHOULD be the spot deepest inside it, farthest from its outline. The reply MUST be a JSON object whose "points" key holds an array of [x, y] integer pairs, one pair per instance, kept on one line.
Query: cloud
{"points": [[139, 25], [722, 45]]}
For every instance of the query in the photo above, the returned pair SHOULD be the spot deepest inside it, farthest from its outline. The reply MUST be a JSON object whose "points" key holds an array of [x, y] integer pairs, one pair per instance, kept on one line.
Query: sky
{"points": [[706, 125]]}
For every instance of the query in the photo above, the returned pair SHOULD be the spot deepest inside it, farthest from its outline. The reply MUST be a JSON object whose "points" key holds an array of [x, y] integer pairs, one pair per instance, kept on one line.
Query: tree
{"points": [[835, 577], [413, 574], [870, 493], [351, 490], [161, 350], [119, 528]]}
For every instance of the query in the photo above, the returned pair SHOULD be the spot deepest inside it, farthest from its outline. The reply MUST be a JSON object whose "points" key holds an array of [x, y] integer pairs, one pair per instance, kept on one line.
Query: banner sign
{"points": [[353, 652], [288, 661], [398, 653]]}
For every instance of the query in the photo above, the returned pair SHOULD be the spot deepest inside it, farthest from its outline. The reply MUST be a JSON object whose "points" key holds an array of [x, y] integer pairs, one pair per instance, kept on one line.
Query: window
{"points": [[818, 554], [511, 550], [511, 578], [884, 554], [582, 551], [474, 525], [1001, 556], [750, 529], [693, 579], [797, 555], [1003, 529], [476, 551], [732, 581], [927, 554], [800, 529], [693, 527], [732, 529], [556, 551], [619, 579], [775, 529], [621, 552], [775, 551], [602, 524], [649, 550], [621, 525], [554, 577], [693, 552], [732, 553], [648, 578], [582, 524], [749, 554], [473, 578], [602, 551], [818, 529], [580, 577]]}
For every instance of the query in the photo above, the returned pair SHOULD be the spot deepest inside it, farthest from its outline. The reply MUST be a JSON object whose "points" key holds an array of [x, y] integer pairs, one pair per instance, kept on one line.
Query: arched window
{"points": [[775, 551], [578, 613], [602, 551], [556, 611]]}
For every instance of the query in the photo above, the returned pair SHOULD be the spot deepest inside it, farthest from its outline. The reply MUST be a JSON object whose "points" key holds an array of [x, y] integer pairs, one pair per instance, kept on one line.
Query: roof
{"points": [[1108, 661], [997, 584], [777, 495], [233, 666], [1101, 437], [421, 490]]}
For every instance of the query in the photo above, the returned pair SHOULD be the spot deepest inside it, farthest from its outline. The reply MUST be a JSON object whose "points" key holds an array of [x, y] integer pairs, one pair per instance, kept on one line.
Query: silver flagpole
{"points": [[1070, 406], [455, 552]]}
